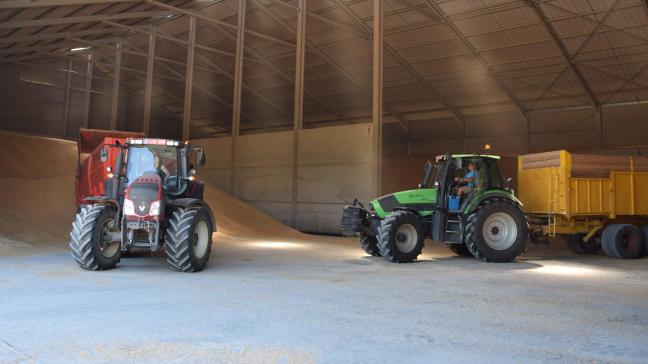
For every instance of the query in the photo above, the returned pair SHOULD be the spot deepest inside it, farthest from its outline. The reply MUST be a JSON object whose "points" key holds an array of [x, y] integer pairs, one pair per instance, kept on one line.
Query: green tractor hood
{"points": [[424, 201]]}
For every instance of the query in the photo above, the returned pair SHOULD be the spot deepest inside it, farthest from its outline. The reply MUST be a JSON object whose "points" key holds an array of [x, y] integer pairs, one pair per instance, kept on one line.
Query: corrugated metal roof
{"points": [[466, 53]]}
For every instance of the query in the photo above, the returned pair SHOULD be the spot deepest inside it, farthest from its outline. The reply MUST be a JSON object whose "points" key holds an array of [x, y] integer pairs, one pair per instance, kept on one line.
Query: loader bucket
{"points": [[89, 139]]}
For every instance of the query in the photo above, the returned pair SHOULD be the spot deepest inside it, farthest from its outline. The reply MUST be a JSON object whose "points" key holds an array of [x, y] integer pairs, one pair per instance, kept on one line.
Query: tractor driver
{"points": [[161, 170], [468, 180]]}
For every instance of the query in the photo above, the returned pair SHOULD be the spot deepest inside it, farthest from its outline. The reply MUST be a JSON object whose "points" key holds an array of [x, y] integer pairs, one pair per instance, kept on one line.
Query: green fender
{"points": [[477, 198]]}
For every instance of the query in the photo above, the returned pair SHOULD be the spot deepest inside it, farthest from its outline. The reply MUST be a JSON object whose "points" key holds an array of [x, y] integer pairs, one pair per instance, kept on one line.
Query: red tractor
{"points": [[137, 192]]}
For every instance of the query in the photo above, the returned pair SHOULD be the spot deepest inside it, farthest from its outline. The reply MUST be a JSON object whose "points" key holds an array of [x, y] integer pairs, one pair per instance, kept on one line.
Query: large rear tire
{"points": [[89, 240], [622, 241], [400, 237], [644, 234], [460, 249], [576, 244], [370, 245], [496, 231], [188, 239]]}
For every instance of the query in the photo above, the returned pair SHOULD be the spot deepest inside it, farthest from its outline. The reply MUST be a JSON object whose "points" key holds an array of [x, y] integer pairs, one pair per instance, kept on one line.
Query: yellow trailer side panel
{"points": [[590, 196], [630, 193], [545, 186]]}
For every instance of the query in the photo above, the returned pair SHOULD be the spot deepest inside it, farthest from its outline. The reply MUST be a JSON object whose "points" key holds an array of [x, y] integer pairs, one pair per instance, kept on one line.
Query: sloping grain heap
{"points": [[37, 195]]}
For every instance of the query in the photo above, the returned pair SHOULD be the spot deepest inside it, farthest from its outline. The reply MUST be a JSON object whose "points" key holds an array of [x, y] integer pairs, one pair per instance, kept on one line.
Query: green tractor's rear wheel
{"points": [[370, 245], [400, 237], [460, 249], [496, 231]]}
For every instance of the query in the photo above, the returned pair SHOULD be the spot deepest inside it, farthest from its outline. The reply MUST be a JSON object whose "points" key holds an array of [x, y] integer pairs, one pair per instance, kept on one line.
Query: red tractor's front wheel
{"points": [[92, 238], [188, 239]]}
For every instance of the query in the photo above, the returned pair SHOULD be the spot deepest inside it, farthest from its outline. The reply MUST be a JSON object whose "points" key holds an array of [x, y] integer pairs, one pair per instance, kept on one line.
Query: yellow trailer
{"points": [[595, 200]]}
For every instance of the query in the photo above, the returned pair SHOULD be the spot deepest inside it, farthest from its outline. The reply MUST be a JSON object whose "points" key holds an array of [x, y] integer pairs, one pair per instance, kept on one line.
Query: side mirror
{"points": [[200, 158]]}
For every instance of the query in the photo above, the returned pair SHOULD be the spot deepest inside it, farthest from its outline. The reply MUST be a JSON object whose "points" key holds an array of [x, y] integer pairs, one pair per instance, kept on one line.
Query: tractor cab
{"points": [[169, 159], [459, 177]]}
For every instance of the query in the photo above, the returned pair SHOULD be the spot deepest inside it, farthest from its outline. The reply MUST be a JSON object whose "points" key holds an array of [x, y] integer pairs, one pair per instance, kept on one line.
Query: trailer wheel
{"points": [[188, 239], [89, 238], [644, 234], [460, 249], [400, 237], [370, 245], [576, 244], [622, 241], [496, 231]]}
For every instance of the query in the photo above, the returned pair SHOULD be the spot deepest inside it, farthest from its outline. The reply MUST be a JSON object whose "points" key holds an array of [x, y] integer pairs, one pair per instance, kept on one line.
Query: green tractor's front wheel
{"points": [[370, 245], [400, 237], [496, 231]]}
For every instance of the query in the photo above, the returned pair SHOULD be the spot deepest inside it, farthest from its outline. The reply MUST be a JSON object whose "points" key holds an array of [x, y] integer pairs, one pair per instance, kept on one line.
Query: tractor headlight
{"points": [[155, 208], [129, 207]]}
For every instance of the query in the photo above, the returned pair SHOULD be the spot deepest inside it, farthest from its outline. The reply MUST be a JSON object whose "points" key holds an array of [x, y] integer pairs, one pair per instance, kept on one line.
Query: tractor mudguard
{"points": [[191, 202], [408, 209], [197, 190], [477, 199]]}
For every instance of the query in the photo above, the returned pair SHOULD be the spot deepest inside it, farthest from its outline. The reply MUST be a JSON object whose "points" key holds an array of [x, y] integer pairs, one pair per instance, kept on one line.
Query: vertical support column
{"points": [[115, 91], [298, 112], [238, 89], [88, 87], [463, 141], [66, 97], [527, 133], [191, 47], [148, 88], [598, 130], [377, 90]]}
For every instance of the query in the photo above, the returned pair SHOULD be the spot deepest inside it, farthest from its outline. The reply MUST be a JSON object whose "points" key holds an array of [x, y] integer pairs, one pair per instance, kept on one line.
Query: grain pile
{"points": [[37, 196]]}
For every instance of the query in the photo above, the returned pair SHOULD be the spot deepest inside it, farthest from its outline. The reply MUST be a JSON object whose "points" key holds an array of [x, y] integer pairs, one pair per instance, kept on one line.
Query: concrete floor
{"points": [[326, 302]]}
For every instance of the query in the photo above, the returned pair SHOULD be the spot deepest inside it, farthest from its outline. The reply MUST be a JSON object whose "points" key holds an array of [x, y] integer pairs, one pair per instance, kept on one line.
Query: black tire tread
{"points": [[609, 241], [384, 243], [644, 234], [460, 250], [574, 243], [177, 237], [370, 245], [470, 234], [81, 238]]}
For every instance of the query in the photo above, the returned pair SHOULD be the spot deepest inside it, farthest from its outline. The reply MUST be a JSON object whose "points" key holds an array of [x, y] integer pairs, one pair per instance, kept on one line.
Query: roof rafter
{"points": [[83, 19], [310, 46], [475, 53], [17, 4], [564, 52], [456, 113], [281, 72]]}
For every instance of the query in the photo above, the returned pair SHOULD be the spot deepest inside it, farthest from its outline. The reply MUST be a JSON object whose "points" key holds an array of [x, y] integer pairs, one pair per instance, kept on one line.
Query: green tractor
{"points": [[462, 201]]}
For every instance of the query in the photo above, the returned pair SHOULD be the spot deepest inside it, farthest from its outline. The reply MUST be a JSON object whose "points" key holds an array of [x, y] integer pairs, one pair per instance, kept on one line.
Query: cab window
{"points": [[494, 174]]}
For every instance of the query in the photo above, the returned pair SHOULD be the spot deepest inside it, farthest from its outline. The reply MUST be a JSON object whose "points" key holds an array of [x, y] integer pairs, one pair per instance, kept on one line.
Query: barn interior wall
{"points": [[335, 166], [33, 102]]}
